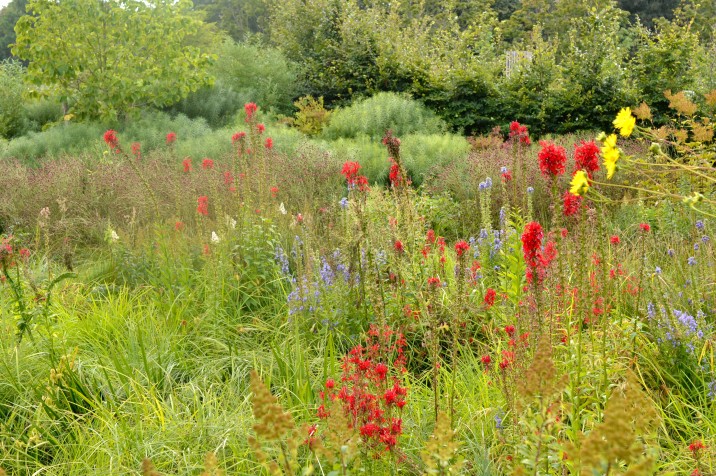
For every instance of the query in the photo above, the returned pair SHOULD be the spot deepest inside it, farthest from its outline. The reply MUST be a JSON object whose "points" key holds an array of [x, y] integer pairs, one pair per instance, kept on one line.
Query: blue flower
{"points": [[704, 239], [699, 225], [657, 270], [696, 247], [344, 203], [530, 189], [503, 170], [670, 252], [691, 261], [498, 421]]}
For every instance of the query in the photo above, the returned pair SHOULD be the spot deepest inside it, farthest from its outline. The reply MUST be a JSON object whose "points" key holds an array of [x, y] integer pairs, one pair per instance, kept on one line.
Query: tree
{"points": [[107, 58], [8, 17], [238, 18]]}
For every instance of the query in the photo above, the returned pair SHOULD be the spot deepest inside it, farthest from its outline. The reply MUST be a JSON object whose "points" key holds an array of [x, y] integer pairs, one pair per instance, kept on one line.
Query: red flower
{"points": [[696, 446], [490, 296], [531, 243], [187, 164], [350, 171], [369, 430], [586, 157], [269, 143], [362, 183], [250, 109], [395, 177], [486, 360], [434, 282], [261, 128], [430, 237], [551, 159], [571, 203], [390, 397], [137, 149], [228, 178], [237, 137], [178, 226], [506, 176], [645, 227], [510, 330], [110, 137], [461, 247], [519, 132], [171, 138], [398, 245], [203, 205], [614, 240], [207, 163], [274, 191], [24, 253], [381, 370]]}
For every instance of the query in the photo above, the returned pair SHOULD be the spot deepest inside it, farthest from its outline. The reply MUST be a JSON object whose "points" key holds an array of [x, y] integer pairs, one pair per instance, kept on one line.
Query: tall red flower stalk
{"points": [[203, 205], [518, 133], [552, 159], [110, 138], [586, 157], [370, 394]]}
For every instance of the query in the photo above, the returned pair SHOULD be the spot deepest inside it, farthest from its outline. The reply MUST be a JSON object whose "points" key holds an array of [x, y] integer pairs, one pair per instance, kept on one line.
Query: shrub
{"points": [[420, 154], [12, 121], [244, 73], [311, 116], [373, 116]]}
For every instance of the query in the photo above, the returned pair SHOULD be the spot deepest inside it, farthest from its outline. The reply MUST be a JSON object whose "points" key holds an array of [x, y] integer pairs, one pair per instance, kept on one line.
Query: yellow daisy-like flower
{"points": [[579, 184], [610, 163], [611, 154], [625, 122], [610, 141]]}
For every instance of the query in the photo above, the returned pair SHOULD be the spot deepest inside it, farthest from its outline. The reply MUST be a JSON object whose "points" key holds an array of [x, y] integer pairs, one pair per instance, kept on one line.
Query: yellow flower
{"points": [[610, 141], [625, 122], [611, 154], [579, 184], [610, 163]]}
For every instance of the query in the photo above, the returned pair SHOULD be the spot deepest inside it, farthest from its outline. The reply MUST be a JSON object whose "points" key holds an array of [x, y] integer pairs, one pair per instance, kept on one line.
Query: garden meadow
{"points": [[427, 271]]}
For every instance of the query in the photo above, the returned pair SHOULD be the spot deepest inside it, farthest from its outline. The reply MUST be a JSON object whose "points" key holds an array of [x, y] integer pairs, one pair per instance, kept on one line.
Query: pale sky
{"points": [[4, 2]]}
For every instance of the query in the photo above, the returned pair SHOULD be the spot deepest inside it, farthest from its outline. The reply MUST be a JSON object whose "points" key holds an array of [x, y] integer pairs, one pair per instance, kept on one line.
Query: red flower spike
{"points": [[461, 247], [203, 205], [586, 157], [552, 159], [490, 296], [250, 109], [398, 246], [571, 204]]}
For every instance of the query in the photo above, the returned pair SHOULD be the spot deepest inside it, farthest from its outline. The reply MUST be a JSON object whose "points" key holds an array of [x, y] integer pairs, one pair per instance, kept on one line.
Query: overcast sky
{"points": [[4, 2]]}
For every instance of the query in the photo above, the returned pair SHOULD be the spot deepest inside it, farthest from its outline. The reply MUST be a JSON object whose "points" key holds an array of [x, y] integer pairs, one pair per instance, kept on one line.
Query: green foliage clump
{"points": [[373, 116], [311, 116], [243, 72], [12, 120]]}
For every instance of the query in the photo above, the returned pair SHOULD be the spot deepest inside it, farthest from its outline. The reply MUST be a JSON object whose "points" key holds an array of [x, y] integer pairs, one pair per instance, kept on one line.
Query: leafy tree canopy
{"points": [[8, 17], [106, 58]]}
